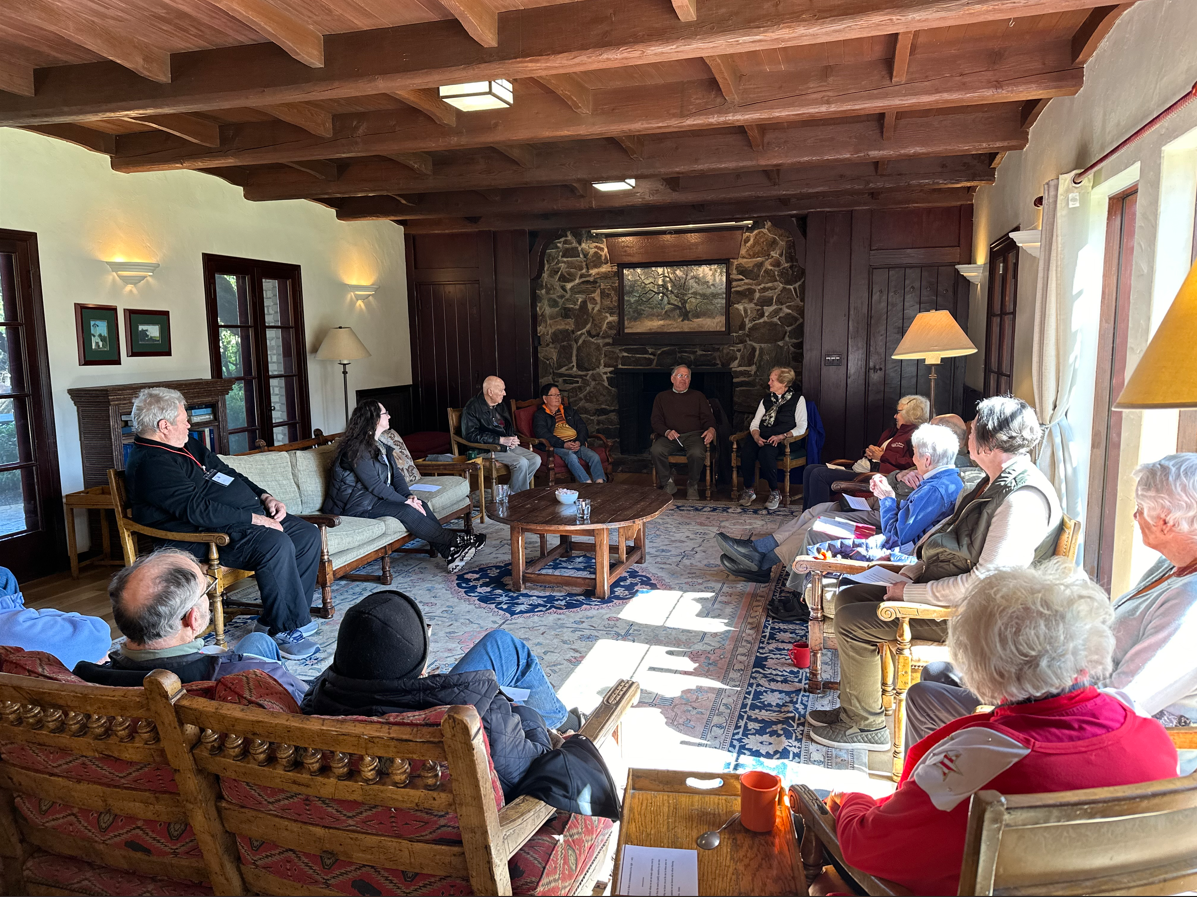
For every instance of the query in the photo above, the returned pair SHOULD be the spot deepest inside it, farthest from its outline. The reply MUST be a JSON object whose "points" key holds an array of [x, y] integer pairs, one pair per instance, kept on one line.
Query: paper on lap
{"points": [[878, 576], [857, 504]]}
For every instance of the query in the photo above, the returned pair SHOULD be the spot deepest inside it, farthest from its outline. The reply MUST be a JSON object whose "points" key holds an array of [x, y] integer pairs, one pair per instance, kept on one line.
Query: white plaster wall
{"points": [[1145, 63], [84, 213]]}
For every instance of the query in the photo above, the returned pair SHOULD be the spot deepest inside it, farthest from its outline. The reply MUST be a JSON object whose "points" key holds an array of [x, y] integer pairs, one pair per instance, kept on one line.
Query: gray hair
{"points": [[937, 441], [914, 409], [1006, 424], [673, 370], [1032, 632], [785, 376], [1169, 486], [172, 587], [155, 403]]}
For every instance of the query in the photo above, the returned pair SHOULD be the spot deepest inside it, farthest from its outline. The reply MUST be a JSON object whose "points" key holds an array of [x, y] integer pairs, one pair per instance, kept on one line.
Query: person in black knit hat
{"points": [[379, 664]]}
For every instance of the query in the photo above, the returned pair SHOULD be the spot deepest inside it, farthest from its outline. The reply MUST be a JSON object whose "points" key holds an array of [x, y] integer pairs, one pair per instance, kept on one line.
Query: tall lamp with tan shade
{"points": [[342, 346], [934, 336], [1166, 375]]}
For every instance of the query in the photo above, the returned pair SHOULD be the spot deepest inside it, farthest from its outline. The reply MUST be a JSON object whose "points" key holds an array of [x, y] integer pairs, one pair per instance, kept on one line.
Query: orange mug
{"points": [[758, 800]]}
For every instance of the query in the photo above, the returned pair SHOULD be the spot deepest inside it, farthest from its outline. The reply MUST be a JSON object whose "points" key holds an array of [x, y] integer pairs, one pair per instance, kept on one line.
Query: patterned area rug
{"points": [[717, 683]]}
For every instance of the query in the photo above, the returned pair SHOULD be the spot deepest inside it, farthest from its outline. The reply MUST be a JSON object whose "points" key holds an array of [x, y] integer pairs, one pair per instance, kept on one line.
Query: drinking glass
{"points": [[583, 506], [502, 492]]}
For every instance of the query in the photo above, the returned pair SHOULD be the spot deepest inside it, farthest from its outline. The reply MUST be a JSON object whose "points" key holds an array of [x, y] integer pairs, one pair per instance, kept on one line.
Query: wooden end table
{"points": [[623, 508], [661, 810]]}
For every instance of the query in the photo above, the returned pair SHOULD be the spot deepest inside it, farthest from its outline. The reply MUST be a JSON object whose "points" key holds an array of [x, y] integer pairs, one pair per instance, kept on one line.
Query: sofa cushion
{"points": [[353, 532], [271, 471], [310, 469], [67, 875], [452, 493]]}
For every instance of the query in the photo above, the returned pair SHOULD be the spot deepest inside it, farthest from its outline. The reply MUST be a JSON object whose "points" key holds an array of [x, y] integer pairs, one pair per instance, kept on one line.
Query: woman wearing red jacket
{"points": [[1028, 641]]}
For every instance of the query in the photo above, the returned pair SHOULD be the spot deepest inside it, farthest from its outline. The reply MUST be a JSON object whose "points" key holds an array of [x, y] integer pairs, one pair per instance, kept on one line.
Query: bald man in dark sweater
{"points": [[684, 417]]}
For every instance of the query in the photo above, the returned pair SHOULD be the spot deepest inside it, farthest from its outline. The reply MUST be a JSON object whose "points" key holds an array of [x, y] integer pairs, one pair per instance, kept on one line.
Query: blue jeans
{"points": [[573, 460], [515, 665], [258, 644]]}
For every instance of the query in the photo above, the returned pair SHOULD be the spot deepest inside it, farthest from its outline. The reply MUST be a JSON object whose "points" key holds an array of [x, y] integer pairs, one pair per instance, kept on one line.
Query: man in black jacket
{"points": [[563, 428], [176, 484], [485, 419], [378, 668]]}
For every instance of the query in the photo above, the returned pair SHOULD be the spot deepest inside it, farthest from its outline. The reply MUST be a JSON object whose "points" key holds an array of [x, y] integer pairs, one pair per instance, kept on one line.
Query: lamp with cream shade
{"points": [[1166, 376], [934, 336], [342, 346]]}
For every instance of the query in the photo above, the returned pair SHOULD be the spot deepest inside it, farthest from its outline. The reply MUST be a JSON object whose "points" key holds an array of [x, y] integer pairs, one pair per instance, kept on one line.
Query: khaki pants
{"points": [[696, 457]]}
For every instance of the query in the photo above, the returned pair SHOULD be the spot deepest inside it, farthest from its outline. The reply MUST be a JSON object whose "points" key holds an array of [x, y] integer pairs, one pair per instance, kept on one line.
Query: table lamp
{"points": [[1166, 376], [934, 336], [342, 346]]}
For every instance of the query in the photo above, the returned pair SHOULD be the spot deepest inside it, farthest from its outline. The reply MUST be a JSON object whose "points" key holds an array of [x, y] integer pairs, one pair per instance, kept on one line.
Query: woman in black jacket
{"points": [[365, 481]]}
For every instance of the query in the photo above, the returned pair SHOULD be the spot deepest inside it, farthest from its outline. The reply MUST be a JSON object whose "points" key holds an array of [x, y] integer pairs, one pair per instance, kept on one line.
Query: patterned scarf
{"points": [[776, 401]]}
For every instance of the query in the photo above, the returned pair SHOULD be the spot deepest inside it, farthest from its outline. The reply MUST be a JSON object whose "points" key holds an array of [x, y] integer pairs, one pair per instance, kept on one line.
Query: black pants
{"points": [[767, 456], [421, 526], [816, 483], [284, 564]]}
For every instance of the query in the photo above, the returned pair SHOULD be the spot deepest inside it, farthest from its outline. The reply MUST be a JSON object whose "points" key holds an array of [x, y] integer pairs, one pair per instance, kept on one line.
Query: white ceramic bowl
{"points": [[567, 496]]}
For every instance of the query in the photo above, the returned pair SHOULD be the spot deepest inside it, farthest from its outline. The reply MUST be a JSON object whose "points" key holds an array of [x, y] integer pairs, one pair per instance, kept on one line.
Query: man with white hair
{"points": [[485, 419], [1155, 623], [175, 483]]}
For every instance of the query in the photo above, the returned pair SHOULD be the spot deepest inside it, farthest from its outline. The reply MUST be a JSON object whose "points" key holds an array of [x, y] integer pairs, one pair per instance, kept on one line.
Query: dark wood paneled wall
{"points": [[472, 315], [868, 273]]}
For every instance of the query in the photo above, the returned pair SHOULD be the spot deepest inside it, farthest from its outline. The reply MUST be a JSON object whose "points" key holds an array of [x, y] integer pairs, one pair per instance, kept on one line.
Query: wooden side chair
{"points": [[792, 459], [680, 458], [521, 414], [487, 464]]}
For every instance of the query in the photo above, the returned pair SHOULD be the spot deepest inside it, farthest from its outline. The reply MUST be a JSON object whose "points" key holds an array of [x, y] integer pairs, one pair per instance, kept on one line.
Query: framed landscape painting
{"points": [[147, 332], [96, 333], [683, 302]]}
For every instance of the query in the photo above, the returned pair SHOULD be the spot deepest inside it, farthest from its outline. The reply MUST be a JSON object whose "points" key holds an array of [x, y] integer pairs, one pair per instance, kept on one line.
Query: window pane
{"points": [[238, 443], [240, 406], [236, 359], [8, 287], [276, 296], [14, 432], [1007, 344], [12, 360], [232, 298], [283, 435], [282, 399], [280, 353], [13, 518]]}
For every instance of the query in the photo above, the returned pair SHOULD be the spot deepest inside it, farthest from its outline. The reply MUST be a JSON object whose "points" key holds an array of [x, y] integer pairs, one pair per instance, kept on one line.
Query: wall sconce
{"points": [[612, 186], [1028, 240], [361, 291], [132, 273], [972, 273], [477, 95]]}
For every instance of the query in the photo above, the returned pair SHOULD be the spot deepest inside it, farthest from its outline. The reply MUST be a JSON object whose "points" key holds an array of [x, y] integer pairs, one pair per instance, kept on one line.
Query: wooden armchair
{"points": [[680, 458], [551, 462], [496, 468], [1132, 839], [785, 463], [128, 531]]}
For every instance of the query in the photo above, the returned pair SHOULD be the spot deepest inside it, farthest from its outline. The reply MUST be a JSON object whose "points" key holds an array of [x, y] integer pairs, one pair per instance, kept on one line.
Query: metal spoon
{"points": [[710, 840]]}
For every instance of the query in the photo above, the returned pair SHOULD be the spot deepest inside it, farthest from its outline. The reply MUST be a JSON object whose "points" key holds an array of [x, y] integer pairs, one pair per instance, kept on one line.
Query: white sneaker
{"points": [[307, 629], [461, 554], [293, 645], [774, 501], [747, 498]]}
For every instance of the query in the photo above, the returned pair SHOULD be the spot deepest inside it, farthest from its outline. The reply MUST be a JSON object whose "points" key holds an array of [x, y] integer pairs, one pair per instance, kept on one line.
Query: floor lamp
{"points": [[932, 337], [342, 346]]}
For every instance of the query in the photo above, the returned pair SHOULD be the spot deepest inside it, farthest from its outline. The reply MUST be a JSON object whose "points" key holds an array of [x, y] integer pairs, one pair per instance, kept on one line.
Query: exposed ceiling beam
{"points": [[491, 196], [571, 89], [428, 102], [1031, 110], [881, 166], [756, 136], [412, 201], [16, 77], [850, 89], [311, 118], [297, 38], [124, 49], [633, 145], [1094, 29], [727, 75], [902, 56], [524, 156], [889, 123], [687, 10], [546, 40], [997, 160], [421, 163], [96, 141], [668, 155], [196, 129], [581, 188], [325, 171], [693, 214], [478, 18]]}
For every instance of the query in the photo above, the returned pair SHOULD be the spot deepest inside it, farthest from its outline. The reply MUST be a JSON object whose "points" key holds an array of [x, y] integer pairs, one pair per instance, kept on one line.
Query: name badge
{"points": [[223, 478]]}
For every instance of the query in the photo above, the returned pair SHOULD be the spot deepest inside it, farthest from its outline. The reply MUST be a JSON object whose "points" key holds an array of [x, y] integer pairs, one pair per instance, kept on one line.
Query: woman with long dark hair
{"points": [[365, 481]]}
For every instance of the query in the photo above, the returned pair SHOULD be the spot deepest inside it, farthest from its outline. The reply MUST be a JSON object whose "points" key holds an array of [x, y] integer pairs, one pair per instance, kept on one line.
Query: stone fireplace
{"points": [[638, 387]]}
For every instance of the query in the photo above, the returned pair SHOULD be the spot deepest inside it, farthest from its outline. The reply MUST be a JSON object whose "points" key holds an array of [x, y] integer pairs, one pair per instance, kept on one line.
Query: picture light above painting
{"points": [[97, 331]]}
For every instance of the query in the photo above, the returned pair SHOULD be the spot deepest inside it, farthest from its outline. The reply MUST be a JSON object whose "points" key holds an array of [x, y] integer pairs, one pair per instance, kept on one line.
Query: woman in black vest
{"points": [[781, 413], [365, 481]]}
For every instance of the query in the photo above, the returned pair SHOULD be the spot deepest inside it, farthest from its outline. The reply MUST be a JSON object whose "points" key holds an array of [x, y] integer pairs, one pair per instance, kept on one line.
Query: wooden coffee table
{"points": [[623, 508]]}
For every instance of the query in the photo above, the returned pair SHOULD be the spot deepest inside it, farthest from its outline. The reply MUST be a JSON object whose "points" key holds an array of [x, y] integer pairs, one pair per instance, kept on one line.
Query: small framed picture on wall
{"points": [[147, 332], [96, 331]]}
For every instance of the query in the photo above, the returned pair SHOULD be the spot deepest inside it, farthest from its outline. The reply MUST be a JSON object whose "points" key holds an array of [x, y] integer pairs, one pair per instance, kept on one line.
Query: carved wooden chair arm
{"points": [[326, 520], [912, 610], [736, 437], [218, 539], [805, 564]]}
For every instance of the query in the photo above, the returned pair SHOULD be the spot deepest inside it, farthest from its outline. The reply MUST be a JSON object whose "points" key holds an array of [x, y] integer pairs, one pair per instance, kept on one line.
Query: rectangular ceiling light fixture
{"points": [[612, 186], [477, 95]]}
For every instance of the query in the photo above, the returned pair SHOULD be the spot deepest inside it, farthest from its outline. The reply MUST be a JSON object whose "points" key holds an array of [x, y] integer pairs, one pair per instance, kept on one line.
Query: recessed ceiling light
{"points": [[474, 96], [612, 186]]}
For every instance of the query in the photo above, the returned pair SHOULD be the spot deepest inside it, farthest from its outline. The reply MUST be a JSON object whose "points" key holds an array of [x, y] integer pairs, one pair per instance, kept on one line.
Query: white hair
{"points": [[937, 441], [1169, 486], [914, 409], [1032, 632], [155, 403]]}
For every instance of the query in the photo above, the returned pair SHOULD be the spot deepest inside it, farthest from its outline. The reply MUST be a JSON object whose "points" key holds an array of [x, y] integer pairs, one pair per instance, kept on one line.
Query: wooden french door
{"points": [[32, 533], [1000, 317], [1113, 331]]}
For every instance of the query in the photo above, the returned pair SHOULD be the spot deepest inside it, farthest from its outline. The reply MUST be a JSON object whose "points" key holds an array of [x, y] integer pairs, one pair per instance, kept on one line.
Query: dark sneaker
{"points": [[823, 717], [294, 645], [791, 611], [740, 549], [461, 553], [308, 629], [843, 735], [743, 571]]}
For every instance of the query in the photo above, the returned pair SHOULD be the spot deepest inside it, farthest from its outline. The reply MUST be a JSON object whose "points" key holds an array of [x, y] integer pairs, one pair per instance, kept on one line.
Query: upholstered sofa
{"points": [[221, 787]]}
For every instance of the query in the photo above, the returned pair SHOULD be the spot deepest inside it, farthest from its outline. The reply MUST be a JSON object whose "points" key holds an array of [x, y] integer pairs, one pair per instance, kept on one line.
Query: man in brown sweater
{"points": [[685, 417]]}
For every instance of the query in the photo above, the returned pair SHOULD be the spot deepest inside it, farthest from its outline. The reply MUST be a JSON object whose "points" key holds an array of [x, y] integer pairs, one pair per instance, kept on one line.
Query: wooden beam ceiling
{"points": [[902, 56], [523, 156], [192, 128], [478, 18], [548, 40], [571, 89], [311, 118], [632, 145], [687, 10], [16, 77], [1094, 30], [298, 39], [420, 163], [325, 171], [430, 103]]}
